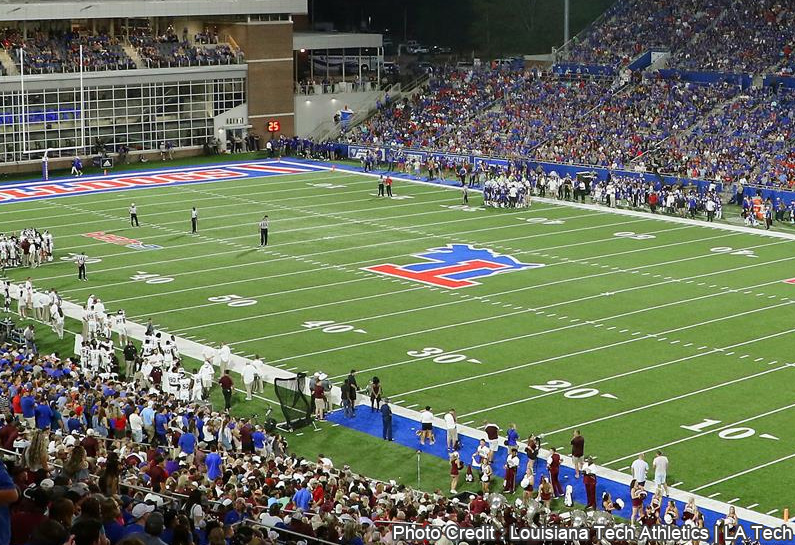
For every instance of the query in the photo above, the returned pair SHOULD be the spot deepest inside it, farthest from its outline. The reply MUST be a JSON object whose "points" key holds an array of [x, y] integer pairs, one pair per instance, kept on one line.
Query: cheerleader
{"points": [[121, 327], [671, 513], [730, 524], [637, 494], [456, 465], [527, 482], [690, 510], [656, 500], [545, 491], [485, 475]]}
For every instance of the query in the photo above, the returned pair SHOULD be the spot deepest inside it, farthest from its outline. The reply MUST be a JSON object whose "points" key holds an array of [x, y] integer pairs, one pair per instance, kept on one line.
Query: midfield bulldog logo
{"points": [[454, 266]]}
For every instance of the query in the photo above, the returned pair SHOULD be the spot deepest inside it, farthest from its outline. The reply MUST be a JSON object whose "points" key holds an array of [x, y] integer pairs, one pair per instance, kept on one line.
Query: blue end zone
{"points": [[404, 433], [161, 177]]}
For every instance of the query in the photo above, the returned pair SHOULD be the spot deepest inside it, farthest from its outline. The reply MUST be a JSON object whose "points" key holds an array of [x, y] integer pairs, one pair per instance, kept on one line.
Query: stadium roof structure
{"points": [[335, 40], [55, 9]]}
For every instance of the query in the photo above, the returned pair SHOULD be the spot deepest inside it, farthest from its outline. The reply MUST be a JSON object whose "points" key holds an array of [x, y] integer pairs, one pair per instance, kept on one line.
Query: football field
{"points": [[640, 332]]}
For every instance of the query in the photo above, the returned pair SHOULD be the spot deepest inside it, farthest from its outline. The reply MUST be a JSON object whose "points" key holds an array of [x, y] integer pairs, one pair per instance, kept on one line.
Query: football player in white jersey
{"points": [[121, 327]]}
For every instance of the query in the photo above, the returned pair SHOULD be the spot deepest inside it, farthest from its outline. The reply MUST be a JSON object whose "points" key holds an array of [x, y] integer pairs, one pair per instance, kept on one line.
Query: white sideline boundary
{"points": [[591, 207]]}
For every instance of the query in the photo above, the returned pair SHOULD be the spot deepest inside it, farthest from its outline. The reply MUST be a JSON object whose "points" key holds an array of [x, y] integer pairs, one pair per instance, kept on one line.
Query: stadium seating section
{"points": [[51, 52]]}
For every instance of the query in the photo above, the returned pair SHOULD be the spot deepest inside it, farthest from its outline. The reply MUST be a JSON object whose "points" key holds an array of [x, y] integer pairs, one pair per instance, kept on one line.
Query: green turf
{"points": [[628, 339]]}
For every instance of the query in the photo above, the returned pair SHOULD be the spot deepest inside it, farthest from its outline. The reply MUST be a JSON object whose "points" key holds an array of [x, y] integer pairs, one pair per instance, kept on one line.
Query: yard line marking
{"points": [[688, 344], [734, 500], [612, 211], [772, 511], [468, 422], [299, 309], [752, 506], [708, 432], [620, 375], [675, 342], [538, 362], [676, 484], [624, 468], [520, 289], [714, 495], [304, 256], [743, 357], [745, 472], [412, 406], [759, 359]]}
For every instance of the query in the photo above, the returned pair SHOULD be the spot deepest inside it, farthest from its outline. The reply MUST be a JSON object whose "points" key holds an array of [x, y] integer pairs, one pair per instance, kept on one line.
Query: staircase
{"points": [[9, 66], [133, 54]]}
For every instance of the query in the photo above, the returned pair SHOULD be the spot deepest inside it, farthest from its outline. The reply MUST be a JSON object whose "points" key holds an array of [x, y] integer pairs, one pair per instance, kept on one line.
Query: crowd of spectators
{"points": [[749, 139], [715, 132], [631, 27], [702, 35], [627, 124], [50, 52], [46, 52], [168, 50], [751, 37], [437, 117]]}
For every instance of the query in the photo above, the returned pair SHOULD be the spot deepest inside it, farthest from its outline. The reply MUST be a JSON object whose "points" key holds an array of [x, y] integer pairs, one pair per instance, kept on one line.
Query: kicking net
{"points": [[296, 405]]}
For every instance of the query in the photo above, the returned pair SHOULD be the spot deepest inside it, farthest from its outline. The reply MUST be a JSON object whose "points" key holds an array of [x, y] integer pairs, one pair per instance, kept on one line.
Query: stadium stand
{"points": [[701, 35], [716, 131], [52, 52]]}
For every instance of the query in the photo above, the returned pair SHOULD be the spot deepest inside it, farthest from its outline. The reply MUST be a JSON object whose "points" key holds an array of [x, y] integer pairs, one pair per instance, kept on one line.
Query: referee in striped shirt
{"points": [[263, 231], [81, 266]]}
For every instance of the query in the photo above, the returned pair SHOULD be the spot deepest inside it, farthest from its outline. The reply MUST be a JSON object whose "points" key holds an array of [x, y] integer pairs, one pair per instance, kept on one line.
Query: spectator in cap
{"points": [[153, 528], [140, 513]]}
